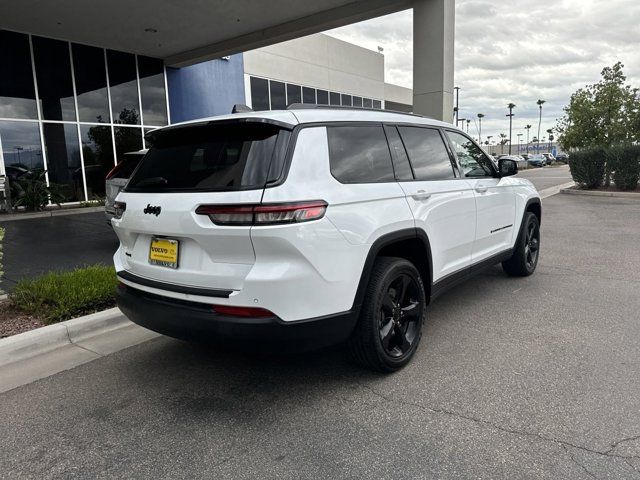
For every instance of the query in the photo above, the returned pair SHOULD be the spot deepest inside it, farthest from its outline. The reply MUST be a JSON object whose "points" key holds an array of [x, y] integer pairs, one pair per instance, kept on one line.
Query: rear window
{"points": [[359, 154], [227, 157]]}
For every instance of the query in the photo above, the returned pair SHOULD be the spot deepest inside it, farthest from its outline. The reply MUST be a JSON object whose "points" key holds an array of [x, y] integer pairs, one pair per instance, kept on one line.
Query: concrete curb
{"points": [[49, 213], [598, 193], [42, 340], [548, 192]]}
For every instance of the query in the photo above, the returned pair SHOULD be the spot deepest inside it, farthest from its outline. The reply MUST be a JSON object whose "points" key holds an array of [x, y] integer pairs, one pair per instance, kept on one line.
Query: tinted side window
{"points": [[359, 154], [401, 164], [427, 153], [473, 161]]}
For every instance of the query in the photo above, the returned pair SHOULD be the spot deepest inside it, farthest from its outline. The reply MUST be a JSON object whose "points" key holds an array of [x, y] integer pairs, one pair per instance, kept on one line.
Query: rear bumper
{"points": [[198, 322]]}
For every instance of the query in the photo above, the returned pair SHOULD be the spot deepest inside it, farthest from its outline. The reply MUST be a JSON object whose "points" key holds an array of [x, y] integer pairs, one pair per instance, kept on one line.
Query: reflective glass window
{"points": [[91, 84], [128, 139], [17, 93], [63, 159], [278, 96], [346, 100], [21, 147], [97, 150], [323, 97], [259, 93], [53, 72], [366, 102], [308, 95], [334, 98], [152, 91], [124, 87], [357, 101], [294, 94], [377, 104]]}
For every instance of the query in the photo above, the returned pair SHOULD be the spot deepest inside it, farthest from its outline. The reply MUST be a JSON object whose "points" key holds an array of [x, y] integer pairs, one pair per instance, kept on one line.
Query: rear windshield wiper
{"points": [[152, 181]]}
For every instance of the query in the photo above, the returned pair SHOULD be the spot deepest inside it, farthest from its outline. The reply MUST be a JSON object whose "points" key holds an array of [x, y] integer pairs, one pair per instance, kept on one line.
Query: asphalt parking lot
{"points": [[36, 246], [515, 378]]}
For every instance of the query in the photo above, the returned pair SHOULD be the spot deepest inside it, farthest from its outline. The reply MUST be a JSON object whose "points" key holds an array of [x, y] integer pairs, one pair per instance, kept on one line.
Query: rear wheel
{"points": [[390, 324], [525, 256]]}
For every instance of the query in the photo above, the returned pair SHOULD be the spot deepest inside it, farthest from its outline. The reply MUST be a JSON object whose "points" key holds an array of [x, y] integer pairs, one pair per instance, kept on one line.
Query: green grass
{"points": [[58, 296]]}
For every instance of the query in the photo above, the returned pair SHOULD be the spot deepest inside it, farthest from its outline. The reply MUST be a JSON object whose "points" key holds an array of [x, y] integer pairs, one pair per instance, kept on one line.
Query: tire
{"points": [[390, 325], [527, 251]]}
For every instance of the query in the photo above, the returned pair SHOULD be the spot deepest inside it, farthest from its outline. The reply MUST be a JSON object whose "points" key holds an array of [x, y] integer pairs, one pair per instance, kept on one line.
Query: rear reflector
{"points": [[270, 214], [245, 312]]}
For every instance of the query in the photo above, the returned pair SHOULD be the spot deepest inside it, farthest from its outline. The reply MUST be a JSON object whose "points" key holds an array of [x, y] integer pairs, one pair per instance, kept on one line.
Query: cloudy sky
{"points": [[517, 51]]}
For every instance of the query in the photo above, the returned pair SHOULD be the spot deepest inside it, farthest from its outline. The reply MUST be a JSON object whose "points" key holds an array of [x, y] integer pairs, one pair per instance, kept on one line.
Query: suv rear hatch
{"points": [[162, 237]]}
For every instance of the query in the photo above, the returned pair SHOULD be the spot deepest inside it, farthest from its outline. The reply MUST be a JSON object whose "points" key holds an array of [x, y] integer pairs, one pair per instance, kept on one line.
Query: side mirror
{"points": [[507, 167]]}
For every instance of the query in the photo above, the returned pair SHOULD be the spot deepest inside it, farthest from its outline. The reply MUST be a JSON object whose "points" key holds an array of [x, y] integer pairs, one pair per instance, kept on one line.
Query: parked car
{"points": [[117, 179], [312, 226], [562, 158], [550, 158], [537, 160]]}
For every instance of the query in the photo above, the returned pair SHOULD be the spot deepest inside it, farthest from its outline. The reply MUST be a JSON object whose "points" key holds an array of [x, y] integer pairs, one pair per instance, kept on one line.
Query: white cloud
{"points": [[517, 51]]}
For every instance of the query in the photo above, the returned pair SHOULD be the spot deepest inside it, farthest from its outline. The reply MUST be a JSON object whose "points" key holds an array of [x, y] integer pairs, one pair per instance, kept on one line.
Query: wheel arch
{"points": [[411, 244]]}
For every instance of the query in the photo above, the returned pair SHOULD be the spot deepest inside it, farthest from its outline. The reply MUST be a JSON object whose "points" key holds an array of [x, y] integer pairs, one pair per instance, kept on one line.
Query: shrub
{"points": [[588, 167], [624, 163], [58, 296], [31, 191]]}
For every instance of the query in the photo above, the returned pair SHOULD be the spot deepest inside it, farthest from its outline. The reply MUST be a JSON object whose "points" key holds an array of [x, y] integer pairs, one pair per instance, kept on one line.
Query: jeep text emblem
{"points": [[152, 210]]}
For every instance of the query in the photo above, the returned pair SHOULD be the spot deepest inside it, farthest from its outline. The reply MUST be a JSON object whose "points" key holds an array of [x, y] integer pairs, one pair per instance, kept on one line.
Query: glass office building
{"points": [[74, 110]]}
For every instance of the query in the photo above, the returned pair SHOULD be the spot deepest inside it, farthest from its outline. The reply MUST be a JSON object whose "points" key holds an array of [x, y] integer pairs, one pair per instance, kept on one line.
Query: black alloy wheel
{"points": [[389, 328], [400, 316]]}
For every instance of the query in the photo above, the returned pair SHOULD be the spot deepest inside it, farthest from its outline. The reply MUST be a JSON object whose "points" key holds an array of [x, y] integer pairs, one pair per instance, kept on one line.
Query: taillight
{"points": [[118, 209], [114, 170], [245, 312], [270, 214]]}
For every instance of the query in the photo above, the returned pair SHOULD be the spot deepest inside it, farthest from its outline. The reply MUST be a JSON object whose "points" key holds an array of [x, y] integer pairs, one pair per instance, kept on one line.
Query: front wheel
{"points": [[525, 256], [390, 324]]}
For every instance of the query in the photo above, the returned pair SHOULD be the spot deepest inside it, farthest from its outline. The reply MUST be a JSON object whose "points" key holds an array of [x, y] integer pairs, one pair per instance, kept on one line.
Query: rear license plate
{"points": [[164, 252]]}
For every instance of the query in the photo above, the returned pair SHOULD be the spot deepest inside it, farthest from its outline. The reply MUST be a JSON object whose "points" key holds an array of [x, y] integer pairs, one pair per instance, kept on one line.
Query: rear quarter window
{"points": [[359, 154]]}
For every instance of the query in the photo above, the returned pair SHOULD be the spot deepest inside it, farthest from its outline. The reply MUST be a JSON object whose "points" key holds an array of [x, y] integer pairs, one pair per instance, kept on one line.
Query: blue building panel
{"points": [[205, 89]]}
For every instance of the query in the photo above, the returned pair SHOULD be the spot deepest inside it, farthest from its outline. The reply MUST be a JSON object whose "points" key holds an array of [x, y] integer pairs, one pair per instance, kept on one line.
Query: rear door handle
{"points": [[481, 189], [421, 195]]}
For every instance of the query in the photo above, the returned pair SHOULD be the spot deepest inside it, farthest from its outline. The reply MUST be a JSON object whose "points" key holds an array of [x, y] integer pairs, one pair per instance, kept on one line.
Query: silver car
{"points": [[117, 178]]}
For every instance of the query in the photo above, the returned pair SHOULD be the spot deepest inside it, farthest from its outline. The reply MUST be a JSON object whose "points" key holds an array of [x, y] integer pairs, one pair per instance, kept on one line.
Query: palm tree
{"points": [[480, 117], [511, 106], [503, 140], [540, 102], [527, 128]]}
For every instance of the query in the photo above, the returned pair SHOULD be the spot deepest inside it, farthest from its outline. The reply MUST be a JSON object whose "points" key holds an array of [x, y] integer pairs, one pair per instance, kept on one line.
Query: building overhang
{"points": [[190, 31]]}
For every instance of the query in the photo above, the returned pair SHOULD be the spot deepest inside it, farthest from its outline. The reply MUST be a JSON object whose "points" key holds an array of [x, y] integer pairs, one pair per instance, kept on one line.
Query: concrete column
{"points": [[433, 48]]}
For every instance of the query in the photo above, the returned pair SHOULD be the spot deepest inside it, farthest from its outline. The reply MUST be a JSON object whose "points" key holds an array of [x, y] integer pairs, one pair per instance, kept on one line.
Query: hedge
{"points": [[589, 167]]}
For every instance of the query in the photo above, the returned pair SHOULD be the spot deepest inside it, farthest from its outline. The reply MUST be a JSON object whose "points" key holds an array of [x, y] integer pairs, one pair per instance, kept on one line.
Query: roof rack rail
{"points": [[313, 106]]}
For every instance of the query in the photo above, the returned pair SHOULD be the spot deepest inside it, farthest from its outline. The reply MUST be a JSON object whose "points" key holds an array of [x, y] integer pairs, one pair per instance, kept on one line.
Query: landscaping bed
{"points": [[56, 297]]}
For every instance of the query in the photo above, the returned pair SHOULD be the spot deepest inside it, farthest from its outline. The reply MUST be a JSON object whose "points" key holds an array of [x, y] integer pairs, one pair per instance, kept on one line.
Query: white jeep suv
{"points": [[313, 226]]}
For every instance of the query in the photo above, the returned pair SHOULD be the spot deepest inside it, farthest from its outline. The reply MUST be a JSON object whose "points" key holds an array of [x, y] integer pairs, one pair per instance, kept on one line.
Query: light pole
{"points": [[468, 122], [550, 132], [457, 109], [511, 106], [540, 102], [461, 120], [519, 142], [527, 128], [480, 117]]}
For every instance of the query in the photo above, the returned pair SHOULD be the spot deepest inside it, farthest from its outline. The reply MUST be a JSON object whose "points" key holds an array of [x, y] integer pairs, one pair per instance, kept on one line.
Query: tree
{"points": [[540, 102], [602, 114], [503, 141]]}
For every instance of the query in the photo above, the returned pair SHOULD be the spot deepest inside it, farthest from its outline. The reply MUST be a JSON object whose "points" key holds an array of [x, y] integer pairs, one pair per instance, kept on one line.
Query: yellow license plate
{"points": [[164, 252]]}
